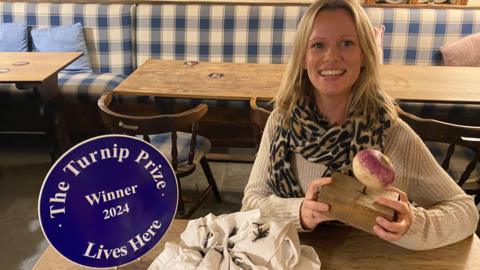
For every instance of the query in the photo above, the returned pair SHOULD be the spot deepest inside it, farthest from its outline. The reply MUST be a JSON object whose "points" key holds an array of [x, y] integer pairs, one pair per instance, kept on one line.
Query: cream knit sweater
{"points": [[442, 213]]}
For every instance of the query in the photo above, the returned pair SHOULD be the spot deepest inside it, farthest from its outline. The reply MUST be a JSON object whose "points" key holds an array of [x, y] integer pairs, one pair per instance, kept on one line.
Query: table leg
{"points": [[53, 112]]}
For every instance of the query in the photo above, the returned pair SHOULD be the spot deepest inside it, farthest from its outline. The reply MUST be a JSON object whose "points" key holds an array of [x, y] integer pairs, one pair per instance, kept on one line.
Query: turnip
{"points": [[373, 169]]}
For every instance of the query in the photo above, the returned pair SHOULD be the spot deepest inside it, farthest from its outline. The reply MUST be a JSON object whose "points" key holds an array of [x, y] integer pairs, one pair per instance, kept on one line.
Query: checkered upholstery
{"points": [[107, 28], [108, 33], [413, 36], [263, 34], [83, 87], [86, 86], [216, 33]]}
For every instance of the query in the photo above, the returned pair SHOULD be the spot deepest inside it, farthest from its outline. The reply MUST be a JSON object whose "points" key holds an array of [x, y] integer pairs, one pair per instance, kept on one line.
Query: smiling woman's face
{"points": [[334, 58]]}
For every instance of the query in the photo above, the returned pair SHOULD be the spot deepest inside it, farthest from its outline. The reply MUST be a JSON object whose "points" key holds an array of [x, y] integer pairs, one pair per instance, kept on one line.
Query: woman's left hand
{"points": [[394, 230]]}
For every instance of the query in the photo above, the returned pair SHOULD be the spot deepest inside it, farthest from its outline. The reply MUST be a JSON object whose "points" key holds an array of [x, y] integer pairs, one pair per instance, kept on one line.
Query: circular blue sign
{"points": [[108, 201]]}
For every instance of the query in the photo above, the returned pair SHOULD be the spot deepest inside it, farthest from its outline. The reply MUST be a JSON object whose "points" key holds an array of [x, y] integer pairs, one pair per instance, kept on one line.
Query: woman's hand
{"points": [[312, 212], [393, 231]]}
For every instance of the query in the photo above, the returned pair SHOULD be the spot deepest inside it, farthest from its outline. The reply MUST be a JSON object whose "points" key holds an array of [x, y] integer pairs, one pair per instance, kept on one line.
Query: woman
{"points": [[329, 107]]}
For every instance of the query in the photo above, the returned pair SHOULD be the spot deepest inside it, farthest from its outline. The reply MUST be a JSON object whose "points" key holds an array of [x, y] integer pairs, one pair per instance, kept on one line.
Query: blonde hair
{"points": [[367, 97]]}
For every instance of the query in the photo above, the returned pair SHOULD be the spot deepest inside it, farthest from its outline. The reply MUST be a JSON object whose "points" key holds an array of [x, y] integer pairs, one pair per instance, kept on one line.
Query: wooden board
{"points": [[349, 204]]}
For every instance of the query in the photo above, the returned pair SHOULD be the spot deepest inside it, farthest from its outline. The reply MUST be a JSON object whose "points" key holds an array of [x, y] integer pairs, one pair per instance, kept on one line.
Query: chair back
{"points": [[259, 117], [151, 124], [468, 137], [146, 125]]}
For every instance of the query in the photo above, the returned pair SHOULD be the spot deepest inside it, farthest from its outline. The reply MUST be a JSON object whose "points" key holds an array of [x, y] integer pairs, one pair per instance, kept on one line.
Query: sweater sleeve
{"points": [[442, 213], [257, 192]]}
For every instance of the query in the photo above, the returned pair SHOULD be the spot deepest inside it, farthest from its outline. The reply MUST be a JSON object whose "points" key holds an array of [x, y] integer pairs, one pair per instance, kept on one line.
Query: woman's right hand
{"points": [[313, 212]]}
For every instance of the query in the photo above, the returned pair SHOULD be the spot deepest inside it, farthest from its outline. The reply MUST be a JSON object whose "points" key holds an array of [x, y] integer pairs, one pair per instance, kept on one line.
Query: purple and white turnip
{"points": [[373, 169]]}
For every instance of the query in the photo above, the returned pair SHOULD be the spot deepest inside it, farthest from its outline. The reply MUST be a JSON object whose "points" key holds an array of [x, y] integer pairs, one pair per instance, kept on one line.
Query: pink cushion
{"points": [[464, 52], [378, 32]]}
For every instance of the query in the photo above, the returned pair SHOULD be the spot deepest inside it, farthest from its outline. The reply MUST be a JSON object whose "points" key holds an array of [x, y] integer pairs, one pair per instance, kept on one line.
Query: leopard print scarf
{"points": [[312, 136]]}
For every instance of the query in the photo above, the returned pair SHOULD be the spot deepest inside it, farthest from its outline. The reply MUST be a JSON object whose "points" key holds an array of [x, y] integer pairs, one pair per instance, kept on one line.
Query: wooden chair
{"points": [[184, 150], [259, 117], [461, 149]]}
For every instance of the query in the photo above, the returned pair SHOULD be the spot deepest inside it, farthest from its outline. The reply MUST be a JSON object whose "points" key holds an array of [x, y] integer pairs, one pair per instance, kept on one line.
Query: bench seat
{"points": [[81, 87]]}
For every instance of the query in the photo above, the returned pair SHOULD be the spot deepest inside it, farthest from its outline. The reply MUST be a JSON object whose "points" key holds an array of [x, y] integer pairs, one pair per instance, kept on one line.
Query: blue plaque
{"points": [[108, 201]]}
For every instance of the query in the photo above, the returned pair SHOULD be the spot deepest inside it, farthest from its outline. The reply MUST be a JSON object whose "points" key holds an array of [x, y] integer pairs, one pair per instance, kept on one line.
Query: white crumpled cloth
{"points": [[242, 240]]}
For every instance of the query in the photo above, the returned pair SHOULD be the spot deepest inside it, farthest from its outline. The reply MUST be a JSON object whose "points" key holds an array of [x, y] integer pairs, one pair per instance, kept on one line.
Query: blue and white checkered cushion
{"points": [[87, 86], [163, 143], [107, 27], [84, 87]]}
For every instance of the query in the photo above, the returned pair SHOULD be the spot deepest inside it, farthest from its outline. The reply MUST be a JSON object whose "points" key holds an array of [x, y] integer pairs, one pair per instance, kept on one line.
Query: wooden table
{"points": [[337, 247], [170, 78], [38, 71]]}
